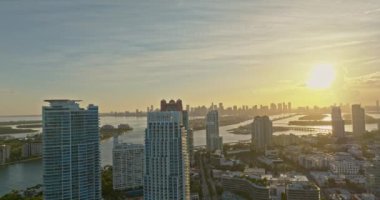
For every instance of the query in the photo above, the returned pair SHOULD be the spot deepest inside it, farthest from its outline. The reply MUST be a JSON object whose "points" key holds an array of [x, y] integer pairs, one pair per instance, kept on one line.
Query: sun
{"points": [[321, 77]]}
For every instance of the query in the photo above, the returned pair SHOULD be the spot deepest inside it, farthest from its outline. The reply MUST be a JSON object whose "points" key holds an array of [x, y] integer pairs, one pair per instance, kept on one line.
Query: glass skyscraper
{"points": [[71, 155]]}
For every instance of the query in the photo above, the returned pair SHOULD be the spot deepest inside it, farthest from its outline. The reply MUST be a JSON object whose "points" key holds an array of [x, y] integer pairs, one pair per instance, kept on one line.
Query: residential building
{"points": [[302, 191], [213, 140], [166, 160], [358, 119], [177, 106], [337, 123], [5, 152], [262, 131], [345, 167], [128, 166], [31, 149], [71, 155]]}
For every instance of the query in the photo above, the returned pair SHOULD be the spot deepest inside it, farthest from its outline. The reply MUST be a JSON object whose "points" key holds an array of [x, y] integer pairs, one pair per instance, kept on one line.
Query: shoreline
{"points": [[22, 161]]}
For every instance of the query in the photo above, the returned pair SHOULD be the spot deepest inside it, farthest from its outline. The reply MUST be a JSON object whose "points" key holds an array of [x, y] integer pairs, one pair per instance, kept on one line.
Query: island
{"points": [[108, 131], [316, 120]]}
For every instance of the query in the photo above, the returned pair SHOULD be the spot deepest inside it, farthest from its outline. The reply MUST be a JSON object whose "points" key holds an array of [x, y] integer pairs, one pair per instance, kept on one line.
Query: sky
{"points": [[123, 55]]}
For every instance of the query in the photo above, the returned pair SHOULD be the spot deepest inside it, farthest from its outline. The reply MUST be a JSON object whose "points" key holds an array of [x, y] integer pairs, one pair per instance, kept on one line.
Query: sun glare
{"points": [[321, 77]]}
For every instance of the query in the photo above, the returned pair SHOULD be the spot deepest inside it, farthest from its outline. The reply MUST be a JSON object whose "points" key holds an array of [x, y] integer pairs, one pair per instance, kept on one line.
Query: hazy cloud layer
{"points": [[127, 54]]}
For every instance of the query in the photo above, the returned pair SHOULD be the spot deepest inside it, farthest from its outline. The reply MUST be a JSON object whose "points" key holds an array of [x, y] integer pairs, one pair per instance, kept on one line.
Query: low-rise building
{"points": [[246, 187], [302, 191], [346, 167], [254, 172]]}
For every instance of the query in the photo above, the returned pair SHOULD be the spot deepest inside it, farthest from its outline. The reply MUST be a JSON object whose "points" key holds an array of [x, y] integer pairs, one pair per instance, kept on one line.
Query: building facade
{"points": [[128, 166], [358, 119], [302, 191], [166, 160], [338, 129], [262, 131], [71, 155], [213, 140], [5, 152]]}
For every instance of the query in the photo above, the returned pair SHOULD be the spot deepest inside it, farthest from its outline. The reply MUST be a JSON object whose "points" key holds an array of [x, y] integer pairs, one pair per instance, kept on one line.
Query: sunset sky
{"points": [[123, 55]]}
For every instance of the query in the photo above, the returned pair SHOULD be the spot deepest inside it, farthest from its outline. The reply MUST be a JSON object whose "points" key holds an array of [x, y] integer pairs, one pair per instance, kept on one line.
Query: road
{"points": [[205, 192], [207, 181]]}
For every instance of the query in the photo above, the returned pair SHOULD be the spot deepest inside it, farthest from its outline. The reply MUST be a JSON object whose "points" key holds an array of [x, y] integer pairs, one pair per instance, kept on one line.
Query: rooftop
{"points": [[302, 186]]}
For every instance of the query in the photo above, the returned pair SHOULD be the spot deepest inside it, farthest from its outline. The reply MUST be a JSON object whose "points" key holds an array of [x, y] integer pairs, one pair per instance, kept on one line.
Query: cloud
{"points": [[367, 81]]}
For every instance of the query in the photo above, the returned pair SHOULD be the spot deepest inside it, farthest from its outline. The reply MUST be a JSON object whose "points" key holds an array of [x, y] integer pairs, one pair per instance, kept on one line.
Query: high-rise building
{"points": [[221, 107], [337, 122], [166, 160], [358, 119], [279, 107], [289, 106], [71, 155], [128, 165], [31, 149], [177, 106], [284, 107], [302, 191], [273, 107], [5, 152], [377, 106], [212, 131], [262, 131]]}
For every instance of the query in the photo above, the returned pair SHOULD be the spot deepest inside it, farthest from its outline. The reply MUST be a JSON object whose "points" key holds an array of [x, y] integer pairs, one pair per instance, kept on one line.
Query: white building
{"points": [[128, 165], [214, 142], [5, 152], [166, 160]]}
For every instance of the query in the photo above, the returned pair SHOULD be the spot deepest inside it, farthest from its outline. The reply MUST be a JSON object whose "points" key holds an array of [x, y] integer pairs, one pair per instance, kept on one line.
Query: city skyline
{"points": [[251, 51], [266, 105]]}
